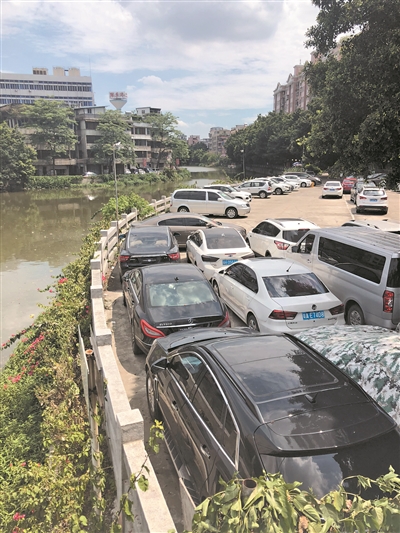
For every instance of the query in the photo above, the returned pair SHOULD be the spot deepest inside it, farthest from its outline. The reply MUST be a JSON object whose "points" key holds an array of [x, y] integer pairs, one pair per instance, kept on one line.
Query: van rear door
{"points": [[393, 286]]}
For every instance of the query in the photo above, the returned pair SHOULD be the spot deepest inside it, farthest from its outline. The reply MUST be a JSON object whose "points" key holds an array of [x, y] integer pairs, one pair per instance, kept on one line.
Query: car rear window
{"points": [[137, 241], [294, 235], [373, 192], [394, 274], [293, 285], [179, 294], [228, 239]]}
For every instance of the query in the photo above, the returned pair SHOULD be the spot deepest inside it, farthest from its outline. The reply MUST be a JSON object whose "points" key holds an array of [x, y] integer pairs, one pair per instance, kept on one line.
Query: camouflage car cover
{"points": [[368, 354]]}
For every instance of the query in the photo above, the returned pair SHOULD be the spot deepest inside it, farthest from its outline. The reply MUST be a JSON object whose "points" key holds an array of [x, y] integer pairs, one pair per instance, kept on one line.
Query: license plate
{"points": [[332, 189], [313, 315], [373, 200], [228, 261]]}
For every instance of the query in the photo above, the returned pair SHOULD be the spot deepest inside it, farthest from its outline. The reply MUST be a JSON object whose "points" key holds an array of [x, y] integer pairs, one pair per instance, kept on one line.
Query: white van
{"points": [[206, 202], [360, 266]]}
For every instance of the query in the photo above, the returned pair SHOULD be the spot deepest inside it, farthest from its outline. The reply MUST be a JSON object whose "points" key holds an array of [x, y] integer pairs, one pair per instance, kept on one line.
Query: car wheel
{"points": [[154, 410], [267, 254], [303, 184], [187, 258], [123, 299], [358, 210], [323, 196], [231, 212], [216, 288], [278, 191], [355, 316], [252, 322], [183, 209], [262, 194]]}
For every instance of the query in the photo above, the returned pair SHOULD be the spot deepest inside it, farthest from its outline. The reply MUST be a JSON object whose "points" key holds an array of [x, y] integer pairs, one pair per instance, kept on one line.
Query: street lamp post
{"points": [[116, 145], [244, 163]]}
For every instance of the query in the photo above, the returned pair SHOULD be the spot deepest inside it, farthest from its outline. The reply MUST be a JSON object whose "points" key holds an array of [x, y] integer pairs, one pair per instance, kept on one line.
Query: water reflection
{"points": [[42, 231]]}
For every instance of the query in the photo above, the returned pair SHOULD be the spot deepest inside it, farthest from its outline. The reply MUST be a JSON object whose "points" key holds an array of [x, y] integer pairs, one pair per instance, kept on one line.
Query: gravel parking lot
{"points": [[304, 203]]}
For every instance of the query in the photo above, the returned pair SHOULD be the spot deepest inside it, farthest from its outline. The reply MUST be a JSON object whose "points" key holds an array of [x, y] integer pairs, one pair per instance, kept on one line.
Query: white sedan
{"points": [[276, 295], [214, 248], [332, 188]]}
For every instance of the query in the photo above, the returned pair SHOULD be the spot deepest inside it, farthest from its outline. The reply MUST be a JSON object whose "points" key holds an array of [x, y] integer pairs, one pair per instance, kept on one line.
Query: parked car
{"points": [[332, 188], [215, 248], [293, 186], [307, 174], [279, 187], [348, 184], [303, 181], [207, 203], [271, 237], [378, 178], [147, 246], [371, 199], [233, 191], [162, 299], [256, 187], [184, 224], [233, 401], [89, 174], [358, 186], [384, 225], [274, 295]]}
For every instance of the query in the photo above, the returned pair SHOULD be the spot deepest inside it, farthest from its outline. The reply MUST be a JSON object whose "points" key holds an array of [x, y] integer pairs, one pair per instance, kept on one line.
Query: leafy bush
{"points": [[127, 204], [52, 182]]}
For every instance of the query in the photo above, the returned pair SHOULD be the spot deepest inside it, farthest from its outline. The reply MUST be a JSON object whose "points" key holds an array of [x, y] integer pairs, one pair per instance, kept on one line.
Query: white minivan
{"points": [[360, 266], [207, 202]]}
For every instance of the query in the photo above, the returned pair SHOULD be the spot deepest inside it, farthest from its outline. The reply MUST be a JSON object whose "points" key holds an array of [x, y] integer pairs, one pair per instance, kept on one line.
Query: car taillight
{"points": [[175, 257], [338, 310], [226, 323], [209, 259], [123, 258], [384, 198], [149, 331], [388, 301], [362, 197], [281, 245], [282, 315]]}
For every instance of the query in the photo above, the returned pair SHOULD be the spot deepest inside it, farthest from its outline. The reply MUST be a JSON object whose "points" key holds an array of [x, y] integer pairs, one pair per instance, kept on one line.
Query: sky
{"points": [[210, 63]]}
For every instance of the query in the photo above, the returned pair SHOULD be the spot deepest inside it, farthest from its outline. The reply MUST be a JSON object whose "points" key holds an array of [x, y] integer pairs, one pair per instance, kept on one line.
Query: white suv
{"points": [[304, 182], [207, 203], [271, 237], [233, 191], [256, 187]]}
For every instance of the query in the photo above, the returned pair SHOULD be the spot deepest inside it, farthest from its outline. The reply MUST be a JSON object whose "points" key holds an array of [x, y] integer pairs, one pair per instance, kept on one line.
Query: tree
{"points": [[53, 123], [16, 159], [167, 138], [356, 96], [113, 128]]}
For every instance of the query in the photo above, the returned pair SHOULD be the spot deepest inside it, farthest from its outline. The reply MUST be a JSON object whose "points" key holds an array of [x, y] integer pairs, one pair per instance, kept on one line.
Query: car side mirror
{"points": [[121, 236], [220, 199], [295, 249], [176, 234], [159, 365]]}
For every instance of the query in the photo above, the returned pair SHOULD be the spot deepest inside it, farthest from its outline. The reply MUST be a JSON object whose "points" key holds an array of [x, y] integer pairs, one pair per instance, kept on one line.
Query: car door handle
{"points": [[204, 451], [175, 406]]}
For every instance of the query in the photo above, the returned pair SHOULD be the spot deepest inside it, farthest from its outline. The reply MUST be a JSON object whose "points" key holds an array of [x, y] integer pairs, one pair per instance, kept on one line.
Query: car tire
{"points": [[216, 288], [136, 348], [267, 254], [231, 212], [355, 316], [262, 194], [123, 299], [183, 209], [303, 184], [323, 196], [154, 410], [278, 190], [252, 322], [384, 211], [358, 210], [187, 258]]}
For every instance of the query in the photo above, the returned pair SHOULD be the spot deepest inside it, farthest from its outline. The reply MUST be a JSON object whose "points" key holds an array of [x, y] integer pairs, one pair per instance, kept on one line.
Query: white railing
{"points": [[124, 425]]}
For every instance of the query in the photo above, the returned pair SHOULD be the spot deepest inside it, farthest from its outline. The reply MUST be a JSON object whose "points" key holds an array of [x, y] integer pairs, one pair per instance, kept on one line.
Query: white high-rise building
{"points": [[66, 85]]}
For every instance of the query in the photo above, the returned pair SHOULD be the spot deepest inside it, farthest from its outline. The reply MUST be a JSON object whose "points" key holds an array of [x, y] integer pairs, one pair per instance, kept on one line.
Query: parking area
{"points": [[305, 203]]}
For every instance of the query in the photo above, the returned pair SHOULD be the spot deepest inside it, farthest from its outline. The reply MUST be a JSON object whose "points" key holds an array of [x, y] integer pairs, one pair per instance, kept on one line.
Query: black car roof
{"points": [[169, 272]]}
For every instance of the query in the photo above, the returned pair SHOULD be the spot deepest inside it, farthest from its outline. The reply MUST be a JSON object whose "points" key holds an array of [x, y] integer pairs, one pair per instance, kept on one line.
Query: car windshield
{"points": [[294, 235], [294, 285], [178, 294], [373, 192], [228, 239]]}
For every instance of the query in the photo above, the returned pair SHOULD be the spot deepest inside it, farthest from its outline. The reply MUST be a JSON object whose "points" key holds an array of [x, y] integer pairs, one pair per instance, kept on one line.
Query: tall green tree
{"points": [[114, 129], [356, 95], [16, 159], [53, 124], [167, 138]]}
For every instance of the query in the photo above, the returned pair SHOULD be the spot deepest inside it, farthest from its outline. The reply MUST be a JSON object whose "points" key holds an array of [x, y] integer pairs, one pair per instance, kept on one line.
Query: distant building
{"points": [[238, 128], [148, 111], [65, 85], [218, 137], [193, 139]]}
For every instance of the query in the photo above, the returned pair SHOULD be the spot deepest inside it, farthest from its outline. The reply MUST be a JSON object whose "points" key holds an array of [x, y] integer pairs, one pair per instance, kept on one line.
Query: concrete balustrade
{"points": [[124, 426]]}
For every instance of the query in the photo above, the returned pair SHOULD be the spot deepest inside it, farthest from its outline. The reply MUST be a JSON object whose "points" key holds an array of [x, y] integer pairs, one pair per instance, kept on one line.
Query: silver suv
{"points": [[256, 187]]}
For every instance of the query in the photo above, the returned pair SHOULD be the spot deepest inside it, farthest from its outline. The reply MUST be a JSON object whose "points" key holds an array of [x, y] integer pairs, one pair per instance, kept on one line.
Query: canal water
{"points": [[42, 231]]}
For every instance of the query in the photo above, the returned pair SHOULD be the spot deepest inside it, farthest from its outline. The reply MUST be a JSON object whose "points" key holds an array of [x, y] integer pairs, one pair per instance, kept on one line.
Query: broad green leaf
{"points": [[143, 483]]}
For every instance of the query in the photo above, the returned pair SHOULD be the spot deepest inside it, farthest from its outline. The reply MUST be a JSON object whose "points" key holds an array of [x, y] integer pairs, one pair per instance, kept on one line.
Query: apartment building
{"points": [[193, 139], [65, 85], [294, 94], [218, 136]]}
